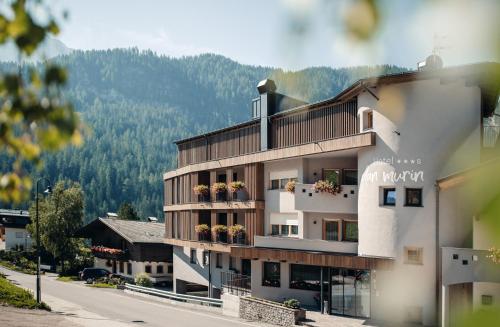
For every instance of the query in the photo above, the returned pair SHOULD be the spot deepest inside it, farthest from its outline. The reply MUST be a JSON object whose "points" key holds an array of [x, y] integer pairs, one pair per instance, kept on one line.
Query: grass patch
{"points": [[18, 297], [102, 285], [11, 266], [67, 278]]}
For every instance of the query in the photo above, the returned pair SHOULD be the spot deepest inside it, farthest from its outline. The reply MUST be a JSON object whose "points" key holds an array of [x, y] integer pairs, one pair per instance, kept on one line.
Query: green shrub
{"points": [[18, 297], [292, 304], [143, 279]]}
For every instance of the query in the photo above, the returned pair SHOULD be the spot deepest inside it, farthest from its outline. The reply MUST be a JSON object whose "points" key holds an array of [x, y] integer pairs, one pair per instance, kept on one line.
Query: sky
{"points": [[291, 34]]}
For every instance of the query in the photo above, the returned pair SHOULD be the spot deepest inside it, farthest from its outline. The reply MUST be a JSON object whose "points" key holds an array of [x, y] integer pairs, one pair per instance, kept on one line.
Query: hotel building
{"points": [[350, 204]]}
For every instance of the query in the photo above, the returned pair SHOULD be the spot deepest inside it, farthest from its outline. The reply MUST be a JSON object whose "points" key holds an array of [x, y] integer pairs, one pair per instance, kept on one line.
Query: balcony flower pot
{"points": [[322, 186], [220, 232], [220, 190], [236, 188], [238, 234], [202, 191], [290, 186], [203, 232]]}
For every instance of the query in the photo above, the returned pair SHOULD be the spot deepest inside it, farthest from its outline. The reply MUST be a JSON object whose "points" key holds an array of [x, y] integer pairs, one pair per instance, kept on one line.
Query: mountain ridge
{"points": [[137, 103]]}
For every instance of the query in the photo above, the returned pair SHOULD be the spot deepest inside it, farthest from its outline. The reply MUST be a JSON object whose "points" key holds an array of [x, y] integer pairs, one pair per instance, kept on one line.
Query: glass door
{"points": [[349, 292], [337, 292]]}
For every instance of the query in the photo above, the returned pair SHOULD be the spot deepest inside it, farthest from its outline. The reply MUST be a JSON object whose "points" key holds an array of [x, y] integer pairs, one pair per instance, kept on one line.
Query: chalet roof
{"points": [[14, 218], [132, 231]]}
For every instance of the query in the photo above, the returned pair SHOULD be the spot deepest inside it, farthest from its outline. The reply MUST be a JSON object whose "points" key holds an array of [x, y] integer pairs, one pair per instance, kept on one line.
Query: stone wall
{"points": [[269, 312]]}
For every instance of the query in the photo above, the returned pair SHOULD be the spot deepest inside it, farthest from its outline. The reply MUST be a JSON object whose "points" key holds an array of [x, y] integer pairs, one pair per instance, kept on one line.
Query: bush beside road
{"points": [[15, 296]]}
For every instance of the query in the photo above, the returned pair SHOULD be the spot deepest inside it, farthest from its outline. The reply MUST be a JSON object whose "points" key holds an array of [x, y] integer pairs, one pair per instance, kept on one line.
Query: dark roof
{"points": [[132, 231], [473, 71], [14, 218]]}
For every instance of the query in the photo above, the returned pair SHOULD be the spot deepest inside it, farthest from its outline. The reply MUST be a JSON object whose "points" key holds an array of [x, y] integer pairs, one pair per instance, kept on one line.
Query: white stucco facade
{"points": [[138, 267], [17, 238]]}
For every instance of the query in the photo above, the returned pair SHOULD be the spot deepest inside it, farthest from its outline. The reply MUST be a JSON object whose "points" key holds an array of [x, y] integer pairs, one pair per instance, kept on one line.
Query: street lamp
{"points": [[47, 191]]}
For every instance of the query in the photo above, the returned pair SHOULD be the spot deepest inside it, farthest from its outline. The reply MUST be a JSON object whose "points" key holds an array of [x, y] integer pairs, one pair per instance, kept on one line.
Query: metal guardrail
{"points": [[175, 296], [236, 284]]}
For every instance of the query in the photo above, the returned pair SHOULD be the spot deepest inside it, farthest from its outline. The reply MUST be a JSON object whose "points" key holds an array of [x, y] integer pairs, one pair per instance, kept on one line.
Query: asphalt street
{"points": [[88, 306]]}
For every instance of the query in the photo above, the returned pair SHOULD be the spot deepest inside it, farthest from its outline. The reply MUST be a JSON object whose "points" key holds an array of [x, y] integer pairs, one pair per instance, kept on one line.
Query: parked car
{"points": [[89, 274]]}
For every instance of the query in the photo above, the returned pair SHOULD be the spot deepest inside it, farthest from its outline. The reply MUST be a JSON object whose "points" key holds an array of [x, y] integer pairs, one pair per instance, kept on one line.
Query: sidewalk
{"points": [[13, 317]]}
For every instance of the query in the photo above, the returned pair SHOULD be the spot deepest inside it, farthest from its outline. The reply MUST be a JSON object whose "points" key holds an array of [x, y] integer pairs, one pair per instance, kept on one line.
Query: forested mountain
{"points": [[135, 104]]}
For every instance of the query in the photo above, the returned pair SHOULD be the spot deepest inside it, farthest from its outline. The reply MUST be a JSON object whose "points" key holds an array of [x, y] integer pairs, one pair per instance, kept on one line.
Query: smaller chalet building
{"points": [[13, 233], [128, 248]]}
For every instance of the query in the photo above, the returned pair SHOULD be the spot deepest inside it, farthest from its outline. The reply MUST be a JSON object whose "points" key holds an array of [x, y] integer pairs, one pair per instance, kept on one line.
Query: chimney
{"points": [[266, 103]]}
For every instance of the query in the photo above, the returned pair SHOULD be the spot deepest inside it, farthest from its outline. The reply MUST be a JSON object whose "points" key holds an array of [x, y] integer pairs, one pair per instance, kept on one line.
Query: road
{"points": [[109, 307]]}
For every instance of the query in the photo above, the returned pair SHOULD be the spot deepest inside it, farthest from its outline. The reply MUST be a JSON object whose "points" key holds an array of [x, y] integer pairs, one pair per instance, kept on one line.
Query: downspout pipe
{"points": [[438, 260]]}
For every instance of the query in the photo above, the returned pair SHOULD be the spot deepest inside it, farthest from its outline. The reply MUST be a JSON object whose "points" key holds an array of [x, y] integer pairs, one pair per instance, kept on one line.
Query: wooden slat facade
{"points": [[227, 143], [328, 121], [180, 224], [322, 123], [313, 258], [179, 189]]}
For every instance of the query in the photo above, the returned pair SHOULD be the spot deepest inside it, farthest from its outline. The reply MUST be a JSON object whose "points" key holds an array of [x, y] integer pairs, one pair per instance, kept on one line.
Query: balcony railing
{"points": [[224, 238], [306, 199], [295, 243], [236, 284]]}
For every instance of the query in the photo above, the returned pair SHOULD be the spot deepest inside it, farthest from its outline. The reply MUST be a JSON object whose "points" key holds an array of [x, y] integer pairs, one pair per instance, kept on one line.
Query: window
{"points": [[350, 231], [389, 196], [304, 277], [159, 269], [218, 260], [413, 255], [486, 299], [350, 177], [413, 197], [331, 230], [121, 267], [170, 269], [19, 234], [206, 258], [232, 263], [285, 230], [332, 176], [147, 269], [192, 258], [369, 120], [129, 268], [275, 184], [283, 183], [271, 274]]}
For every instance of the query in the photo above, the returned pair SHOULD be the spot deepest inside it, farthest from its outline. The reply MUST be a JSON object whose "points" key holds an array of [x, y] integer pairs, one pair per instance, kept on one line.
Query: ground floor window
{"points": [[147, 269], [129, 268], [218, 260], [159, 269], [305, 277], [121, 265], [271, 274]]}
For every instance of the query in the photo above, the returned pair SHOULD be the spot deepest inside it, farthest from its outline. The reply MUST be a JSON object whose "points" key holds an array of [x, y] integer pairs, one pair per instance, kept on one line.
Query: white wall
{"points": [[479, 289], [197, 272], [278, 294], [433, 121], [16, 237], [137, 267]]}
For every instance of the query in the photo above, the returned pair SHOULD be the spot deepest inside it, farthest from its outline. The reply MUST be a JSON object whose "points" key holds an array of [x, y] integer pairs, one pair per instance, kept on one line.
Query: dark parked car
{"points": [[93, 273]]}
